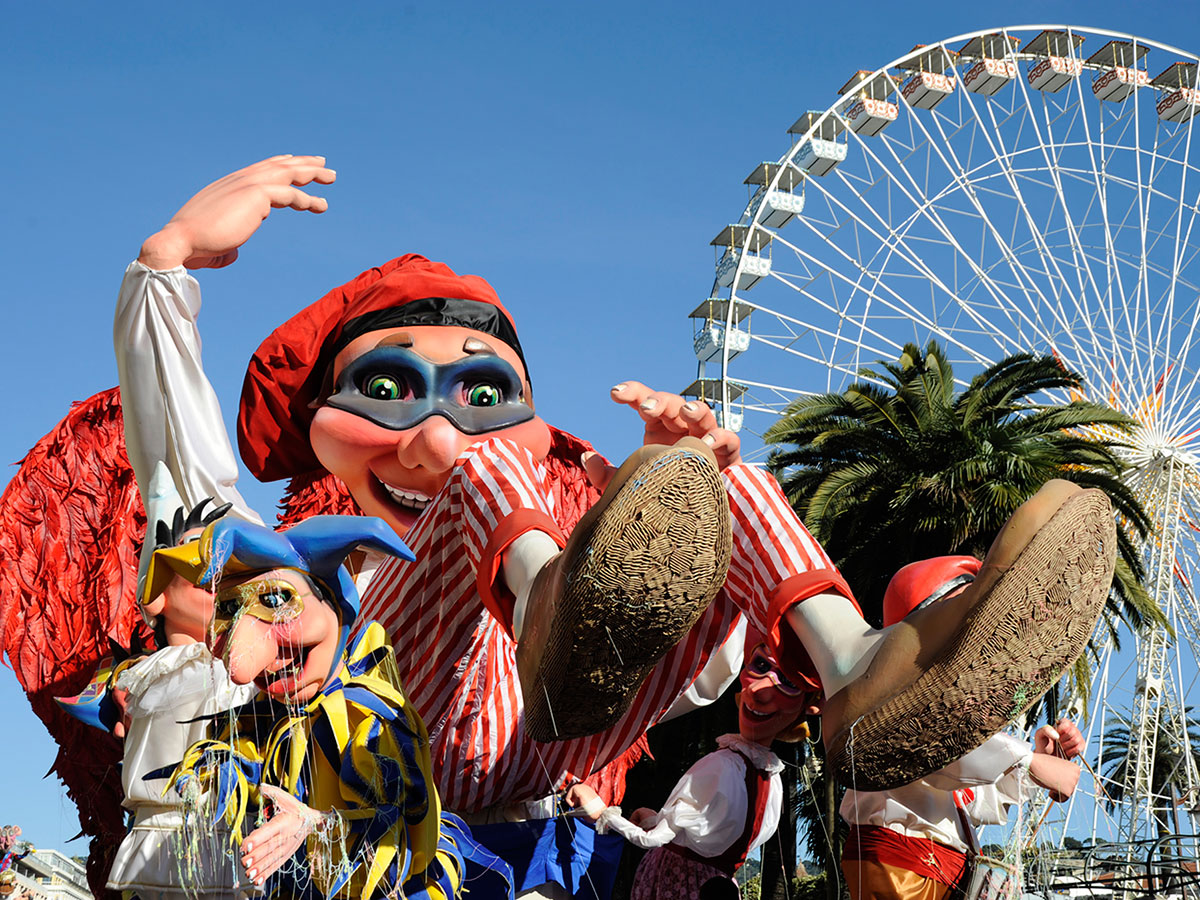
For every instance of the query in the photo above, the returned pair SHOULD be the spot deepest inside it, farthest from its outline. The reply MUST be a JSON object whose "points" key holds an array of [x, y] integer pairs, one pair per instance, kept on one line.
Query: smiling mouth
{"points": [[413, 501], [755, 714], [283, 669]]}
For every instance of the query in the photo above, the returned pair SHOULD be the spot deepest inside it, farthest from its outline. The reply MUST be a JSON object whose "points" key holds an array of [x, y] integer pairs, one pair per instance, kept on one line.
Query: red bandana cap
{"points": [[287, 372], [924, 580]]}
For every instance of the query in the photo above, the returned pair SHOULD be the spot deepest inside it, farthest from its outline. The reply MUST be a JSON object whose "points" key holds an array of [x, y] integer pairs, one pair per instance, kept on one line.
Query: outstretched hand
{"points": [[272, 844], [668, 417], [209, 228]]}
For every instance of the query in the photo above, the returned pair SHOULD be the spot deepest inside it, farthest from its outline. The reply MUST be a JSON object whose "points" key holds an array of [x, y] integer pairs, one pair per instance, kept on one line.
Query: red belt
{"points": [[927, 858]]}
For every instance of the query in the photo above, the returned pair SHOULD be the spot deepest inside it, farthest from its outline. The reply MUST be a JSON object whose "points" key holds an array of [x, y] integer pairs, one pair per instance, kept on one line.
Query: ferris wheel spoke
{"points": [[899, 302], [1055, 279], [925, 210], [991, 130], [959, 175], [1098, 172]]}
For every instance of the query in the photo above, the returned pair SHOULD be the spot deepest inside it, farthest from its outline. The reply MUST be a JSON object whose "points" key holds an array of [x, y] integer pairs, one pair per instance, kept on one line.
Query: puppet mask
{"points": [[770, 704], [275, 630]]}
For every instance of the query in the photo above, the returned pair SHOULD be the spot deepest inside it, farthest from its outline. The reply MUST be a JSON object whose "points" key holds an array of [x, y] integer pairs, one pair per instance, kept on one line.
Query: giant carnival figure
{"points": [[556, 623]]}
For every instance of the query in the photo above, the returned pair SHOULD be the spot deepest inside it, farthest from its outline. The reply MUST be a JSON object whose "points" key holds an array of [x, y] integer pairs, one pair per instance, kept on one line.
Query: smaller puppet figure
{"points": [[727, 804], [918, 840], [331, 755], [161, 704], [11, 850]]}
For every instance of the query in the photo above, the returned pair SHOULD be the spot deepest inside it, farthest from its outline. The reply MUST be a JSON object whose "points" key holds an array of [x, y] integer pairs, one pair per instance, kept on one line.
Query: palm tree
{"points": [[1167, 777], [902, 466]]}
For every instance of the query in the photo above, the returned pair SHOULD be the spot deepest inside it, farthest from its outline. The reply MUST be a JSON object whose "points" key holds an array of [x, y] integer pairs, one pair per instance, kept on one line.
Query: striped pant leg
{"points": [[775, 564]]}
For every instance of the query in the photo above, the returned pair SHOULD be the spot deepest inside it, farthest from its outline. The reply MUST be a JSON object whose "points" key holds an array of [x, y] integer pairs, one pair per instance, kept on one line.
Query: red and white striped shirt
{"points": [[458, 661]]}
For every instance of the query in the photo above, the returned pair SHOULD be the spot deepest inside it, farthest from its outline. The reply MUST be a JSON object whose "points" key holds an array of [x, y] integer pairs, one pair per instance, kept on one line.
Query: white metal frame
{"points": [[1019, 220]]}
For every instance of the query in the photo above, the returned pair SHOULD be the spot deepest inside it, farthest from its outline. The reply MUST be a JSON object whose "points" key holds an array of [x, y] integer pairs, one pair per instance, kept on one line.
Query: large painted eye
{"points": [[383, 387], [275, 598], [484, 395], [759, 665]]}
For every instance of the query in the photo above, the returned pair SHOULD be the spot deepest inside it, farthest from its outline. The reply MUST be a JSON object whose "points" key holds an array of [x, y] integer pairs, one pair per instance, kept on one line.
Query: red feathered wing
{"points": [[71, 528]]}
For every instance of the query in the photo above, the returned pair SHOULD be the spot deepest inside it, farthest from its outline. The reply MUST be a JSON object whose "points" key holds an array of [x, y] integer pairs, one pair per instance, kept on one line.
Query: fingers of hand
{"points": [[726, 446], [699, 417], [631, 393], [284, 195], [599, 472], [269, 846]]}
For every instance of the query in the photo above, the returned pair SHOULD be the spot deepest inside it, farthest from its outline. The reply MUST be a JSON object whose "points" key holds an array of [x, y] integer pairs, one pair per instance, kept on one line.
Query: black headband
{"points": [[473, 314]]}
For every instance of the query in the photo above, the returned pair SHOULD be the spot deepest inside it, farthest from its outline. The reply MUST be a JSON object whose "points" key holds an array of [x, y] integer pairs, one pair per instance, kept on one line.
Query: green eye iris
{"points": [[382, 387], [484, 395]]}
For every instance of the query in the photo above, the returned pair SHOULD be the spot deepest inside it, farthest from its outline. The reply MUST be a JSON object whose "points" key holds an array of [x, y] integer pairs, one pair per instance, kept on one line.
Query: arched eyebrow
{"points": [[400, 339], [475, 345]]}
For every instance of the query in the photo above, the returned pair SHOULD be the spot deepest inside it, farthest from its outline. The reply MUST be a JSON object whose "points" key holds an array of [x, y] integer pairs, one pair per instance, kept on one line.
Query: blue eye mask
{"points": [[397, 388]]}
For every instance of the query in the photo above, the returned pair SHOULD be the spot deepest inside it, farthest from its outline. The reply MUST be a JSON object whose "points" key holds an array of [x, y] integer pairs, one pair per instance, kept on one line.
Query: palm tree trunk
{"points": [[833, 855]]}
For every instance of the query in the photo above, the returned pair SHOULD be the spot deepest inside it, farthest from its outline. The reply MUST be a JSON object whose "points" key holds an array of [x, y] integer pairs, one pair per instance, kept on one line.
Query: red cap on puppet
{"points": [[287, 373], [926, 580]]}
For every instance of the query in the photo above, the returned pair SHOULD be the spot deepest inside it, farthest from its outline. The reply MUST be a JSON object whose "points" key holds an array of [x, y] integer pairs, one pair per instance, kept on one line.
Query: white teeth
{"points": [[411, 499]]}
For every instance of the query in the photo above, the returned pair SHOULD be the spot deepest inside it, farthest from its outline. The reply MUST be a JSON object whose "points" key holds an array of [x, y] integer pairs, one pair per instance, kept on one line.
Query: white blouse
{"points": [[991, 778], [706, 812], [166, 690]]}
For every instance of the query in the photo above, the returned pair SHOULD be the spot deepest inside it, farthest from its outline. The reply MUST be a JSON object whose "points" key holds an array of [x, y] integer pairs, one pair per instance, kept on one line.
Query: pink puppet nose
{"points": [[433, 444], [251, 648]]}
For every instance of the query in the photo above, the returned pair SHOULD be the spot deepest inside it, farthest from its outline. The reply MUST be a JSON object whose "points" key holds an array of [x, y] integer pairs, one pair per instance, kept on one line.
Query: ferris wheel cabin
{"points": [[1181, 97], [823, 150], [994, 68], [1058, 65], [1119, 73], [714, 329], [928, 84], [867, 110], [748, 267], [776, 205]]}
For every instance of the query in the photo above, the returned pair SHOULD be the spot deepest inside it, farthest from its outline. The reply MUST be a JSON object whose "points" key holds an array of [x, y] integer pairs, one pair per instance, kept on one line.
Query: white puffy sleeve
{"points": [[994, 759], [171, 411], [706, 812]]}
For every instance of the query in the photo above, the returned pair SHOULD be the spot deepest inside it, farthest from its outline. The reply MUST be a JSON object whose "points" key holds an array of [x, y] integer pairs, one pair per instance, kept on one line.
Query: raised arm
{"points": [[171, 410]]}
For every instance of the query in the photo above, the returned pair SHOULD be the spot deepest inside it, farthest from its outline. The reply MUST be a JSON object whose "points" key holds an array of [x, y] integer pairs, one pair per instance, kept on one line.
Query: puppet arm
{"points": [[986, 764], [706, 812], [171, 410]]}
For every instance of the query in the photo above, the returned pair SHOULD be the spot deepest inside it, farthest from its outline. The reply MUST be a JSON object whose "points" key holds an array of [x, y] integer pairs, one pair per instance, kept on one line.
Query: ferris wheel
{"points": [[1029, 188]]}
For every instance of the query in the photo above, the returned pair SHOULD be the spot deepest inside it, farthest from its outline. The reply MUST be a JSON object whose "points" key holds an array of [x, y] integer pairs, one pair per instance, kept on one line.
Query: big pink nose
{"points": [[249, 650], [433, 444]]}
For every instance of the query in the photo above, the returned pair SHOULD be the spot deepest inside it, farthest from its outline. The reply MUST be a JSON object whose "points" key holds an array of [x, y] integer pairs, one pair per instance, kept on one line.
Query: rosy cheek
{"points": [[343, 441], [533, 435]]}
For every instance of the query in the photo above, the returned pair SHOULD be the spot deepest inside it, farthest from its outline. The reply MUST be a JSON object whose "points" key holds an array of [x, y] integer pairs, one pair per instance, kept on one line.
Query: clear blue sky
{"points": [[580, 156]]}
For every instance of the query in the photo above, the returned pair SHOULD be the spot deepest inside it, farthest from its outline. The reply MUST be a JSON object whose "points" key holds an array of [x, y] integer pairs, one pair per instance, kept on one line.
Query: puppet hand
{"points": [[669, 417], [120, 699], [1064, 739], [272, 844], [641, 817], [210, 227], [581, 796]]}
